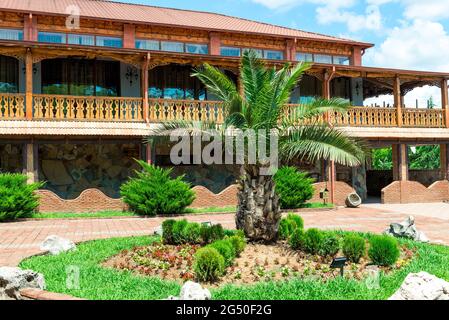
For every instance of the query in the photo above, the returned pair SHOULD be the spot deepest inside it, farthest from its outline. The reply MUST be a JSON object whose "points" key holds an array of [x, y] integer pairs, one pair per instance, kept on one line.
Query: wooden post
{"points": [[30, 162], [400, 162], [445, 102], [444, 161], [129, 36], [148, 153], [144, 77], [214, 44], [29, 85], [398, 99]]}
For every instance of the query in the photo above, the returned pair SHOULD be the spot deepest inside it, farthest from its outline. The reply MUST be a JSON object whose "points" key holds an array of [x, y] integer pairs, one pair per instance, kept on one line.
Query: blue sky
{"points": [[408, 34]]}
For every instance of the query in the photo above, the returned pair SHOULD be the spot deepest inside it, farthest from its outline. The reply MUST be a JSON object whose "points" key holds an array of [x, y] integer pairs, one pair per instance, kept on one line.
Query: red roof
{"points": [[136, 13]]}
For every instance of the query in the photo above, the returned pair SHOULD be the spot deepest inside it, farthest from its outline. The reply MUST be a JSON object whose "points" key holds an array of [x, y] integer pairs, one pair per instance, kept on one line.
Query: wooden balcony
{"points": [[120, 109]]}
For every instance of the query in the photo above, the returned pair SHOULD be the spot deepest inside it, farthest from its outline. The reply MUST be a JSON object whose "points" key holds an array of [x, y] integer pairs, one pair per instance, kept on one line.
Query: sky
{"points": [[408, 34]]}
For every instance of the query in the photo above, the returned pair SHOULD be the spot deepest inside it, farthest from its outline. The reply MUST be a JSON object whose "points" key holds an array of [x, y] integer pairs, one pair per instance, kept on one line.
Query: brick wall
{"points": [[206, 198], [415, 192], [342, 190]]}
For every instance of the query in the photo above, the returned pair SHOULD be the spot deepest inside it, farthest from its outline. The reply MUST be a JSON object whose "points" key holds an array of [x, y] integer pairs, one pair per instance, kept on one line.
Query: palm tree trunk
{"points": [[258, 211]]}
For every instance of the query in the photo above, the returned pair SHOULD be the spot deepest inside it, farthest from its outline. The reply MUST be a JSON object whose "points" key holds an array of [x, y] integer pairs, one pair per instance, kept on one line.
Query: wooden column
{"points": [[398, 99], [290, 50], [129, 36], [30, 163], [444, 161], [356, 57], [214, 44], [29, 85], [445, 102], [144, 78], [148, 152], [30, 27], [400, 162]]}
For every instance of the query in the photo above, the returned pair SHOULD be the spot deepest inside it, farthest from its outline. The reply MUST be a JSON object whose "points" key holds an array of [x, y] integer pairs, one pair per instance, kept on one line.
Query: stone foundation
{"points": [[415, 192]]}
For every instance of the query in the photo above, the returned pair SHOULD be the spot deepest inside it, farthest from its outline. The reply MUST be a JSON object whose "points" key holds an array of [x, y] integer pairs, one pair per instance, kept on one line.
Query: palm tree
{"points": [[261, 106]]}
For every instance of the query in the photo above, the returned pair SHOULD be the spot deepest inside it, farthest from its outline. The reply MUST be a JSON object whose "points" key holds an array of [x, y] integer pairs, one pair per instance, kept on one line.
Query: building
{"points": [[83, 81]]}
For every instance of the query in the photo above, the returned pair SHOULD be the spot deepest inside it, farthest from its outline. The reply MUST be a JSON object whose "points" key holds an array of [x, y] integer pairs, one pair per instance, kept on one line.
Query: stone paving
{"points": [[19, 240]]}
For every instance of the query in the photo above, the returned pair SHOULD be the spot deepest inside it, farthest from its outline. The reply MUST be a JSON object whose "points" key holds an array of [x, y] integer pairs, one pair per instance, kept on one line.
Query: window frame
{"points": [[19, 33]]}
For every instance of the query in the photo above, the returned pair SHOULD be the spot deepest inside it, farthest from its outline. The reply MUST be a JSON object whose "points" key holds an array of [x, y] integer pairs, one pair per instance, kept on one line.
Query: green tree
{"points": [[382, 159], [425, 157], [265, 92]]}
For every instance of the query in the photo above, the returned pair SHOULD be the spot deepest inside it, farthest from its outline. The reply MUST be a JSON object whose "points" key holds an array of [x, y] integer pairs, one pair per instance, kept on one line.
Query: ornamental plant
{"points": [[313, 239], [383, 250], [226, 249], [17, 198], [330, 245], [209, 264], [293, 187], [289, 224], [354, 247], [167, 231], [153, 192], [296, 240]]}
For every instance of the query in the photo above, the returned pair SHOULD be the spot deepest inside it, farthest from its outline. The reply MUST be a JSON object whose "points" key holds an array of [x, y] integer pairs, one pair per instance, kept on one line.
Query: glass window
{"points": [[230, 51], [341, 60], [273, 54], [11, 34], [109, 42], [81, 39], [51, 37], [197, 48], [307, 57], [172, 46], [148, 45], [323, 58], [9, 75], [259, 52]]}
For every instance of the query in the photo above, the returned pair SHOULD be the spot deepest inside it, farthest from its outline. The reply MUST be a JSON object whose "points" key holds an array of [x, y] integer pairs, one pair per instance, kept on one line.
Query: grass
{"points": [[316, 205], [97, 282]]}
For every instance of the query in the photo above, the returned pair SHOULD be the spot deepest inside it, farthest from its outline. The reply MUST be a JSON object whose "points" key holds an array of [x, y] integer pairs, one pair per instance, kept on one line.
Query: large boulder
{"points": [[193, 291], [55, 245], [353, 200], [12, 280], [406, 229], [422, 286]]}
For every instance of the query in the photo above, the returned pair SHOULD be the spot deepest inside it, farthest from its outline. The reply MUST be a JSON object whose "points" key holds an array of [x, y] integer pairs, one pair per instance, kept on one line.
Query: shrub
{"points": [[354, 247], [383, 250], [208, 264], [212, 233], [226, 249], [238, 243], [296, 240], [167, 231], [154, 192], [313, 239], [192, 233], [17, 198], [293, 187], [289, 224], [297, 220], [330, 245], [178, 231]]}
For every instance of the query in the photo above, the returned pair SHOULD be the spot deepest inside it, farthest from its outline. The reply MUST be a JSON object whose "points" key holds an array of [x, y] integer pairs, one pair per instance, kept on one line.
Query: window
{"points": [[273, 55], [80, 39], [341, 60], [230, 52], [109, 42], [11, 34], [307, 57], [172, 46], [259, 52], [197, 48], [9, 75], [322, 58], [147, 45], [85, 77], [51, 37]]}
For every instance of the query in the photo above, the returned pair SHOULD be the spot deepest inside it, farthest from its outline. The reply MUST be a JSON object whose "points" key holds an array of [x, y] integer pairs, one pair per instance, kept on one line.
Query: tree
{"points": [[261, 107]]}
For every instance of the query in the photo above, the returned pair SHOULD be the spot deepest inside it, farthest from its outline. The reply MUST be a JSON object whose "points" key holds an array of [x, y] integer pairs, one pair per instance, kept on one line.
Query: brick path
{"points": [[21, 239]]}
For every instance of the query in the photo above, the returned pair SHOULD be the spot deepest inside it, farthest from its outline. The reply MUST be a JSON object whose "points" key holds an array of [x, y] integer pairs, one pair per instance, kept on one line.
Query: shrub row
{"points": [[182, 231]]}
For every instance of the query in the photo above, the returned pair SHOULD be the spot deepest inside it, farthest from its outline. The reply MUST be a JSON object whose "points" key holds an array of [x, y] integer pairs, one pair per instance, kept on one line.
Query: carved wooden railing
{"points": [[365, 117], [190, 110], [58, 107], [12, 106], [423, 118]]}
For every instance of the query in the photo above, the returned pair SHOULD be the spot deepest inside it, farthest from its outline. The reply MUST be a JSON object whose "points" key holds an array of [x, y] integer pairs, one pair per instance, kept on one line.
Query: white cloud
{"points": [[278, 4], [371, 20], [427, 10]]}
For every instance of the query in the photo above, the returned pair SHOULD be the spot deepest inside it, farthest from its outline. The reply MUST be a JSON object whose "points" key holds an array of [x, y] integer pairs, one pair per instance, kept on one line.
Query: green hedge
{"points": [[293, 187]]}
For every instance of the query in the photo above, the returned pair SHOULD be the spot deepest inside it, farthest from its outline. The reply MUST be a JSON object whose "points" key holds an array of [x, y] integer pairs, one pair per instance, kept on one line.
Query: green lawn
{"points": [[97, 282]]}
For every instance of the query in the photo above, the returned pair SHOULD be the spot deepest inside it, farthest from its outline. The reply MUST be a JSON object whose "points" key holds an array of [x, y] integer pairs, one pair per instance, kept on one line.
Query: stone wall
{"points": [[415, 192], [11, 158]]}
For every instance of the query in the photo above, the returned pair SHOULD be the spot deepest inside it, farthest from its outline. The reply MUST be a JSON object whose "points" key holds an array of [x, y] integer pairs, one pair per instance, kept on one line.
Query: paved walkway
{"points": [[21, 239]]}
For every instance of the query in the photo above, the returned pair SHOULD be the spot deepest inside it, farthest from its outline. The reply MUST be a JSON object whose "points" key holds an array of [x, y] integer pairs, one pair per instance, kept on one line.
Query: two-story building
{"points": [[82, 82]]}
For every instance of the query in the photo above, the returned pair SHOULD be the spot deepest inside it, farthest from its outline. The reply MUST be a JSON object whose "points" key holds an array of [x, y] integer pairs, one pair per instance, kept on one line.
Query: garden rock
{"points": [[158, 231], [193, 291], [55, 245], [422, 286], [353, 200], [12, 280], [406, 229]]}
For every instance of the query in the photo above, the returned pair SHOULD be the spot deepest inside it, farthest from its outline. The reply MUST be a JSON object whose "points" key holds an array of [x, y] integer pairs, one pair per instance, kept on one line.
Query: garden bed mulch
{"points": [[256, 263]]}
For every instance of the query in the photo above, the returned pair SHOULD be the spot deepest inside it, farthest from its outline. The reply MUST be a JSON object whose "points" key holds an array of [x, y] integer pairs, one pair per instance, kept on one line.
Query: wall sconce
{"points": [[24, 69], [131, 74]]}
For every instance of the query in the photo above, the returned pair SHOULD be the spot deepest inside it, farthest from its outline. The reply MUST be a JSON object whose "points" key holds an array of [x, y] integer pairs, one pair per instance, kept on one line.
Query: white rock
{"points": [[55, 245], [14, 279], [193, 291], [158, 231], [422, 286]]}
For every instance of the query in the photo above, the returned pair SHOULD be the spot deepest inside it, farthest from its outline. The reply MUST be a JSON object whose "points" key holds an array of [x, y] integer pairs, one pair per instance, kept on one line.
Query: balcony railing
{"points": [[119, 109]]}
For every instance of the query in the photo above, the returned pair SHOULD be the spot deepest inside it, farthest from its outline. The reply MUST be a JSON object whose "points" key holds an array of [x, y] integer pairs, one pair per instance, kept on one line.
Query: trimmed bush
{"points": [[192, 233], [330, 245], [289, 224], [298, 221], [153, 192], [238, 243], [354, 247], [208, 264], [313, 239], [167, 231], [293, 187], [383, 250], [226, 249], [17, 198], [296, 240], [178, 231], [212, 233]]}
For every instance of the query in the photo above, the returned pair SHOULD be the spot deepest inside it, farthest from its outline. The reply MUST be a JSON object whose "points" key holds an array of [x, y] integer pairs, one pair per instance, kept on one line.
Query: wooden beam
{"points": [[144, 77], [445, 102], [380, 83], [29, 85], [398, 99]]}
